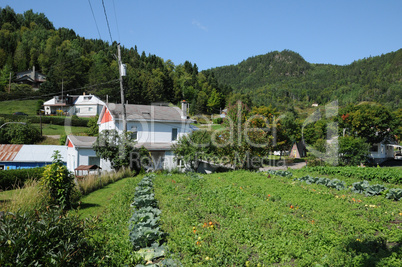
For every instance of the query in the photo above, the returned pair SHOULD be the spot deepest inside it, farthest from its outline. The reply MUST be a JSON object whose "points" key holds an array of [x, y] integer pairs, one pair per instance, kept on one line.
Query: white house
{"points": [[80, 152], [156, 128], [80, 105], [382, 151]]}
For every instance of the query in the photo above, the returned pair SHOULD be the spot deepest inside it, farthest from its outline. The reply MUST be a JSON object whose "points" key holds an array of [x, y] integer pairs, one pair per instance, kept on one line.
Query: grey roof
{"points": [[40, 153], [82, 141], [147, 112]]}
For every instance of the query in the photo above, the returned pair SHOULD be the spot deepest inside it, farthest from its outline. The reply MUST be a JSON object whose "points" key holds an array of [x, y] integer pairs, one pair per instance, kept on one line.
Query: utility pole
{"points": [[9, 84], [121, 88]]}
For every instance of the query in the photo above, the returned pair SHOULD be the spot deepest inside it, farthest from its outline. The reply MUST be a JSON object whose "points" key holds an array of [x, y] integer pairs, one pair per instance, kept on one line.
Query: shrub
{"points": [[217, 121], [58, 181], [48, 238]]}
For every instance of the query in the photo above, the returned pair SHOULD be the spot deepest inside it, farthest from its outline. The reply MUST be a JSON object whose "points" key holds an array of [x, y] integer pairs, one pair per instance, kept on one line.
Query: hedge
{"points": [[10, 179], [83, 122]]}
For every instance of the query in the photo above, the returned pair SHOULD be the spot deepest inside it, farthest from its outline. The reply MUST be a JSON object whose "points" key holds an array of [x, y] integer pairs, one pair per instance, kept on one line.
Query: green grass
{"points": [[111, 228], [260, 221], [96, 202], [26, 106], [51, 129]]}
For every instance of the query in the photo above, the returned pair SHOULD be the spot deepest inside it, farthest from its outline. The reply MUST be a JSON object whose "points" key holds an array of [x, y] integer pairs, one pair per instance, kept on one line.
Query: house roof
{"points": [[82, 141], [147, 112], [88, 100], [31, 153], [8, 152]]}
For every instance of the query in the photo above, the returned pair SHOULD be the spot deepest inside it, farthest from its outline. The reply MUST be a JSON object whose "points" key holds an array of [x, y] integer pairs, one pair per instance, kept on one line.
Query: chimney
{"points": [[184, 108]]}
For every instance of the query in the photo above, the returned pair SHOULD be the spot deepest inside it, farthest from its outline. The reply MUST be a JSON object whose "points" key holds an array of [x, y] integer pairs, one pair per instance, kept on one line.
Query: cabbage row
{"points": [[388, 175], [146, 235], [359, 187]]}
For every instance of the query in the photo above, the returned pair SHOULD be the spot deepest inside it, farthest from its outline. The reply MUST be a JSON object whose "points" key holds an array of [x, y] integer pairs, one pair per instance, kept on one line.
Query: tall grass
{"points": [[91, 183], [31, 196], [26, 198]]}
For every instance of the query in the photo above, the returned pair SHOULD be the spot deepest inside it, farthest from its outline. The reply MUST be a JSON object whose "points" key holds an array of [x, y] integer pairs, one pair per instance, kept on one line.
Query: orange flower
{"points": [[210, 223], [291, 206]]}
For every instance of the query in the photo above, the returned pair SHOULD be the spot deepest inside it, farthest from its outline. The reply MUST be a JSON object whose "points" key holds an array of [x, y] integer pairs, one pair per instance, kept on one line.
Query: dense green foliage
{"points": [[249, 219], [15, 133], [11, 179], [284, 79], [45, 238], [86, 65]]}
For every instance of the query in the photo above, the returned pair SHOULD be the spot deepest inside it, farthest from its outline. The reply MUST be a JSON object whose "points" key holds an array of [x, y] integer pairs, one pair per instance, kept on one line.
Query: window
{"points": [[94, 161], [90, 109], [134, 133], [174, 134], [2, 167], [374, 148]]}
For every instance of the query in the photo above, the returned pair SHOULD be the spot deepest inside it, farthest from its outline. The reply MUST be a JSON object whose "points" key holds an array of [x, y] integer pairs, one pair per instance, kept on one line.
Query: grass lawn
{"points": [[249, 219], [26, 106], [51, 129], [96, 202]]}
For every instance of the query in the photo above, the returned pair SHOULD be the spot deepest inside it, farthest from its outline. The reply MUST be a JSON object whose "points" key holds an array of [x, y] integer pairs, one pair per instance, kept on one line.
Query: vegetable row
{"points": [[359, 187]]}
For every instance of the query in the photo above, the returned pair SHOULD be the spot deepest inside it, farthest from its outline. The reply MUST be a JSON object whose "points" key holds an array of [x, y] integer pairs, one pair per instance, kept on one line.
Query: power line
{"points": [[107, 21], [117, 24], [66, 91], [93, 15]]}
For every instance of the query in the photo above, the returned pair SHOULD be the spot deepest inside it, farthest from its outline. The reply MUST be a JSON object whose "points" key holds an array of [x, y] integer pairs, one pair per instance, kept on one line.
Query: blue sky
{"points": [[217, 33]]}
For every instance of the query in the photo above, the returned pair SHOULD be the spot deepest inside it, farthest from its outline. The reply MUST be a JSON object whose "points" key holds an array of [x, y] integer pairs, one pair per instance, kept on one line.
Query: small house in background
{"points": [[29, 156], [30, 77], [314, 105], [298, 150], [80, 105], [383, 151]]}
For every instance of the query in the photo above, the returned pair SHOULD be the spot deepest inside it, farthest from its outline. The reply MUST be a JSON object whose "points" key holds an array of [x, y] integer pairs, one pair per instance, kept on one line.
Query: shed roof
{"points": [[82, 141], [31, 153], [87, 167], [40, 153], [8, 152]]}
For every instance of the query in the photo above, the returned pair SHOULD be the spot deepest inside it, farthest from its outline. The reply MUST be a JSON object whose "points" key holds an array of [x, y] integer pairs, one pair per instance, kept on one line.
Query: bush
{"points": [[48, 238], [16, 178], [217, 121], [59, 181]]}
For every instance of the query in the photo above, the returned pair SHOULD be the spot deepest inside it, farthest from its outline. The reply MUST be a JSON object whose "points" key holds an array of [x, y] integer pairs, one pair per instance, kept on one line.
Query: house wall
{"points": [[86, 110], [79, 156], [22, 165], [150, 132]]}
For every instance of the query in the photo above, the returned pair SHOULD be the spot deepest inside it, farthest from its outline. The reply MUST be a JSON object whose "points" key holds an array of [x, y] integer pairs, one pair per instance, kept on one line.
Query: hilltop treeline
{"points": [[78, 65], [284, 79]]}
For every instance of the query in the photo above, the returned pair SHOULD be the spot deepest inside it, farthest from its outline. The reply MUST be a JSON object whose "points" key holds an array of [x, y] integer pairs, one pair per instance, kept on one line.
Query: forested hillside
{"points": [[79, 65], [284, 79]]}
